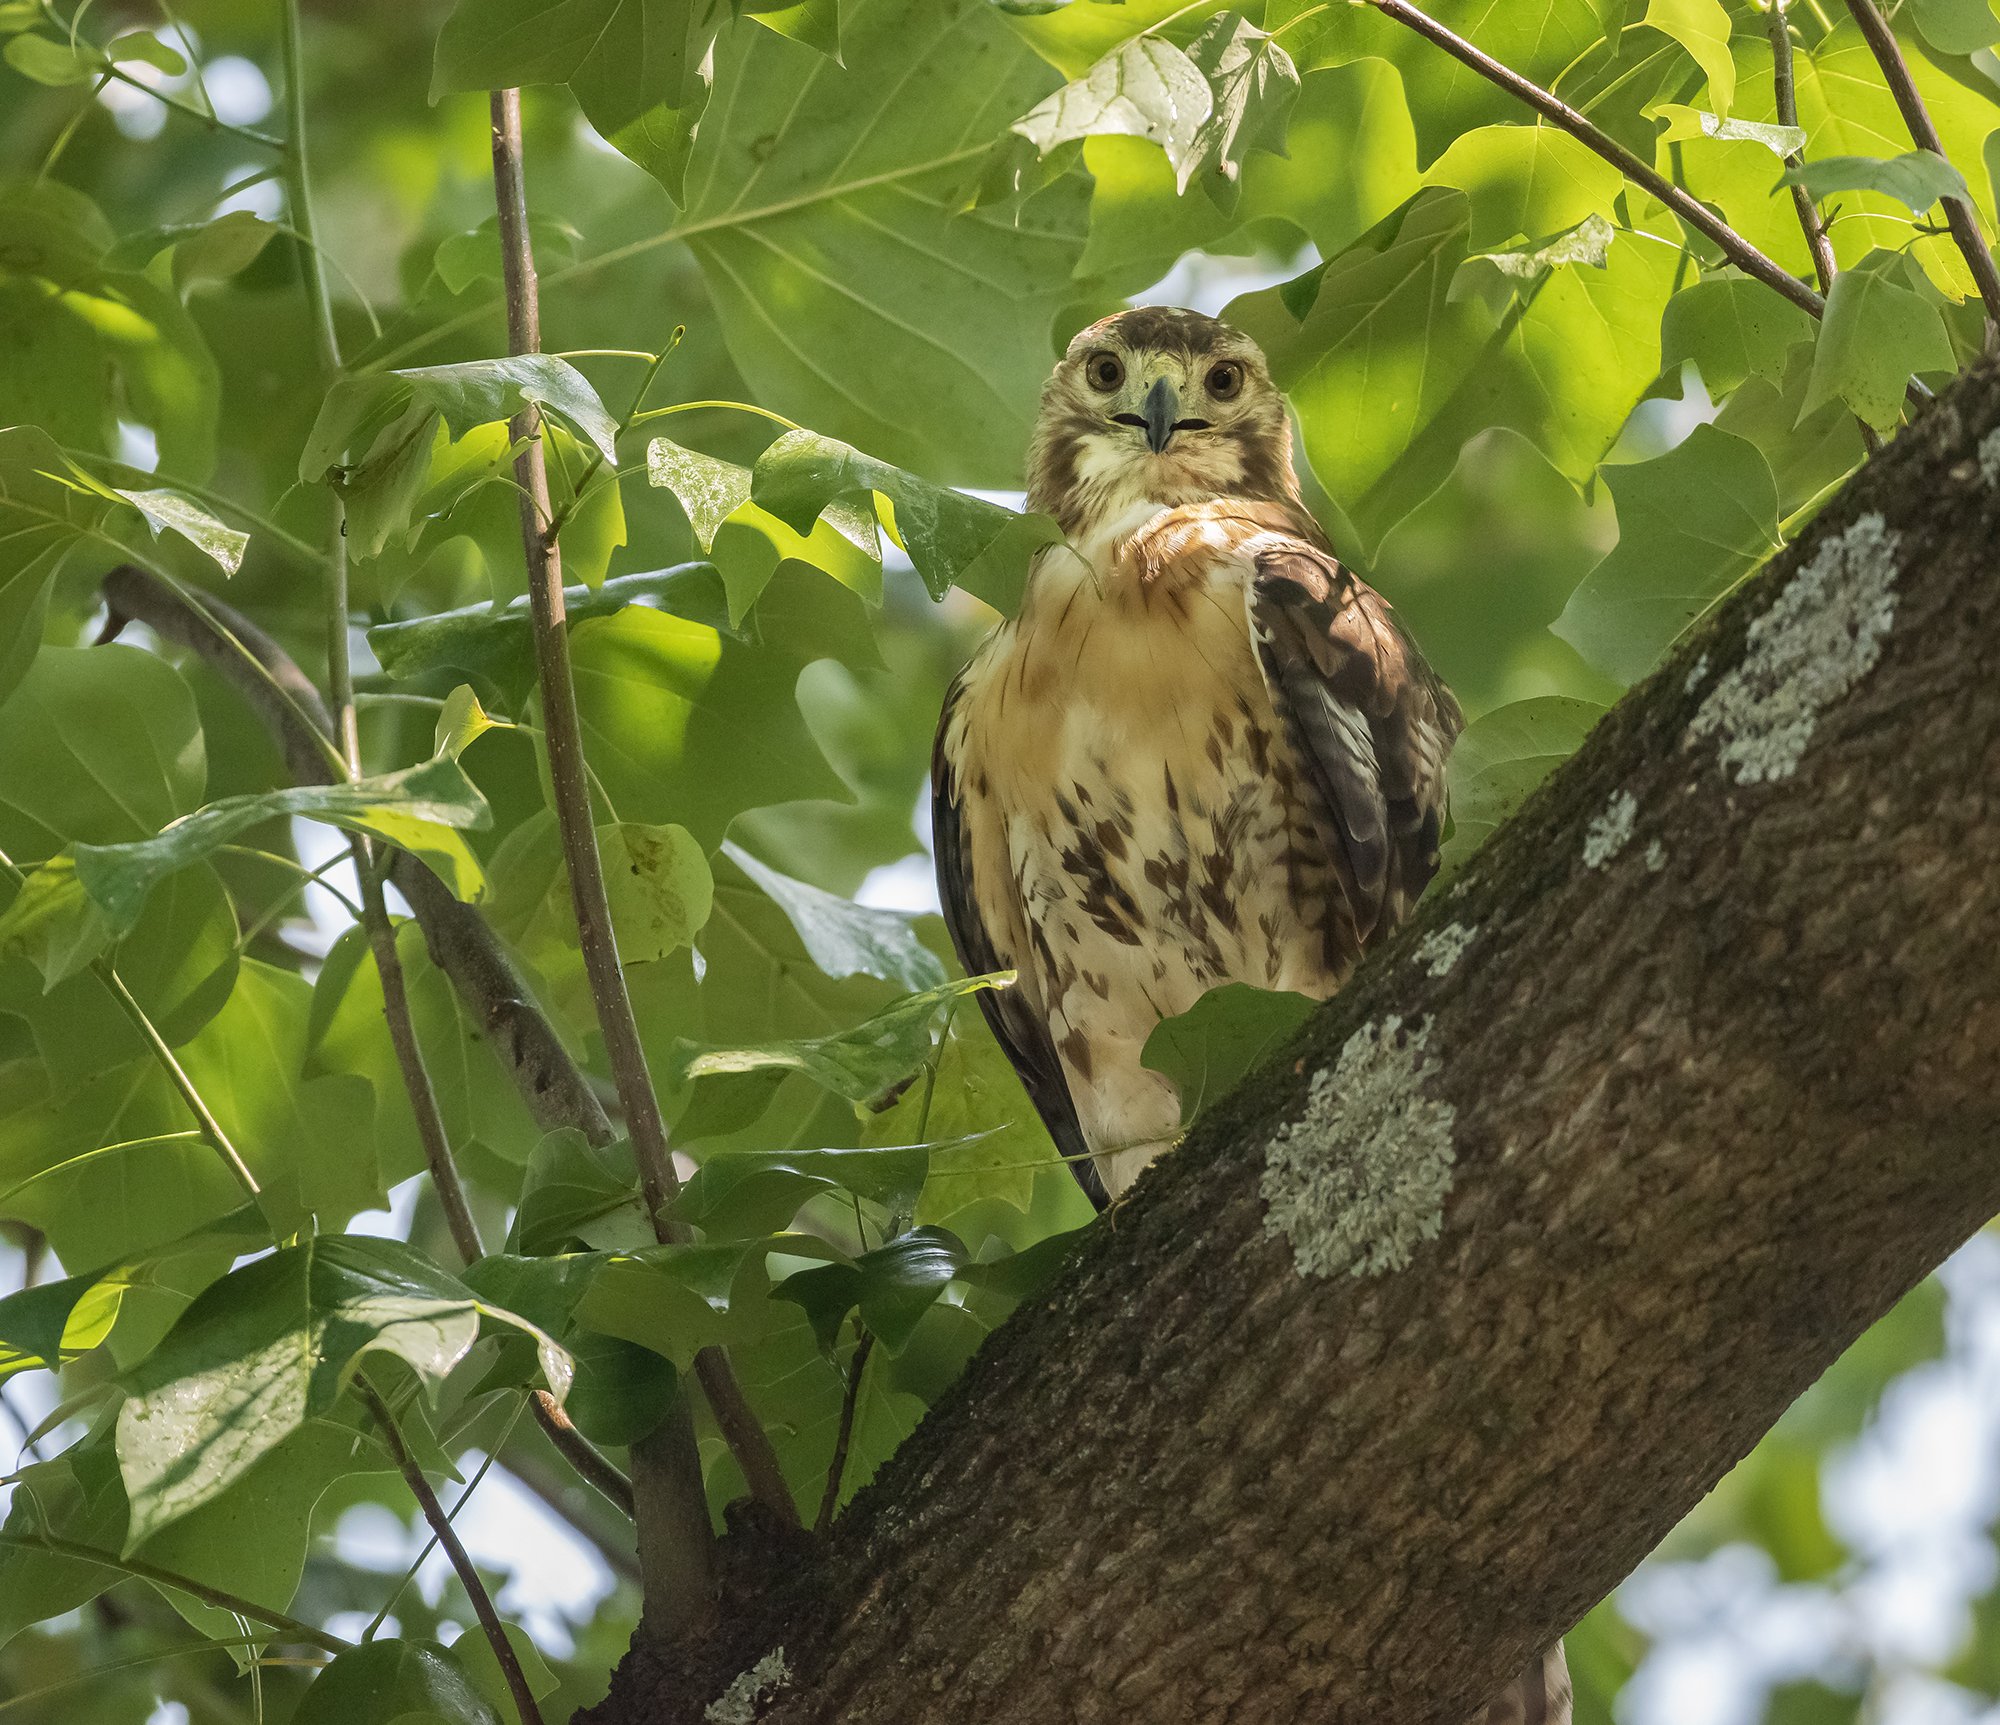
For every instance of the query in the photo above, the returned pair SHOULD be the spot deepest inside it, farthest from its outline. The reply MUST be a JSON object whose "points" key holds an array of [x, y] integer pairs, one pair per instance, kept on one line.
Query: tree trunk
{"points": [[1431, 1331]]}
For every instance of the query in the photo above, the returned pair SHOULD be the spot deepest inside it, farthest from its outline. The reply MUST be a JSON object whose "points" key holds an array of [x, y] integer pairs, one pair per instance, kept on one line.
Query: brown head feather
{"points": [[1084, 464]]}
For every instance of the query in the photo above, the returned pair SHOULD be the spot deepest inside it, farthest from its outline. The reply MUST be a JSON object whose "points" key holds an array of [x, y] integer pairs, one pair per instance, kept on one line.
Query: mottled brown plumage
{"points": [[1202, 752]]}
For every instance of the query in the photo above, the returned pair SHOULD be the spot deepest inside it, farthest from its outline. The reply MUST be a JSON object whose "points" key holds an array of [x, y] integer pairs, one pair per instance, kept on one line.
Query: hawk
{"points": [[1202, 752]]}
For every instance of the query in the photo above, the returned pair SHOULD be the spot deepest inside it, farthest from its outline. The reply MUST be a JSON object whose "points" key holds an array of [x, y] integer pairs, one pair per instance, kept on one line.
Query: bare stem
{"points": [[289, 1626], [562, 739], [447, 1536], [431, 1131], [576, 1449], [1788, 115], [830, 1499], [678, 1554], [1964, 219]]}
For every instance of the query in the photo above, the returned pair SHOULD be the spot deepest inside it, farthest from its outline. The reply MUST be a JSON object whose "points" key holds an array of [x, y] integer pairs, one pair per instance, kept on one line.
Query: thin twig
{"points": [[1559, 113], [138, 1566], [576, 1449], [830, 1498], [447, 1536], [1788, 115], [563, 750], [431, 1131], [1959, 212], [1817, 242]]}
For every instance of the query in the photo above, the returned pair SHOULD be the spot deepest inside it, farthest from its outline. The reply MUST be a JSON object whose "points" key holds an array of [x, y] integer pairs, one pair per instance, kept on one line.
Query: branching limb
{"points": [[447, 1536], [830, 1498], [1964, 219]]}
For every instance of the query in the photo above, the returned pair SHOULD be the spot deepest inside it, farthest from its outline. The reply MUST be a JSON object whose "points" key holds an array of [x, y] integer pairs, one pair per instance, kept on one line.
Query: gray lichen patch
{"points": [[1611, 831], [1656, 857], [1359, 1180], [1443, 947], [1989, 457], [740, 1702], [1821, 637], [1697, 674]]}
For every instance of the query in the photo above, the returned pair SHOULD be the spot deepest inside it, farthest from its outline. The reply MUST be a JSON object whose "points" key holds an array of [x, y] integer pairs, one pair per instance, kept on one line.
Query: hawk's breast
{"points": [[1139, 832]]}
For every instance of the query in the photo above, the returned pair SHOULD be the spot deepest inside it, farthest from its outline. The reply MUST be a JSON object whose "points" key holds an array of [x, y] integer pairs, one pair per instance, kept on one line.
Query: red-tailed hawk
{"points": [[1203, 752]]}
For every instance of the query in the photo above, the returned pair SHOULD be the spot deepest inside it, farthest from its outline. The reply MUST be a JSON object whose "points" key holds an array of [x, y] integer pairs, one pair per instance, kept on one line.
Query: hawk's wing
{"points": [[1368, 720], [1009, 1011]]}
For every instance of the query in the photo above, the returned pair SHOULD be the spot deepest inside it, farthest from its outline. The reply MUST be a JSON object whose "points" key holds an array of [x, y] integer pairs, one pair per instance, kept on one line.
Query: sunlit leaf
{"points": [[1691, 524], [1877, 332], [166, 510], [1702, 28]]}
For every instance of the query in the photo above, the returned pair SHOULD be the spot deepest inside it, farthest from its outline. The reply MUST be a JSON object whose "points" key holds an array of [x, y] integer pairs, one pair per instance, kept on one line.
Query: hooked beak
{"points": [[1161, 405]]}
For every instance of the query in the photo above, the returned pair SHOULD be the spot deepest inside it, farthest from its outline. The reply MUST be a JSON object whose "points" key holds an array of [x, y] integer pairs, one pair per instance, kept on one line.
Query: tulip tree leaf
{"points": [[1502, 755], [1702, 28], [1878, 332], [1229, 1032], [1691, 524], [1919, 178], [268, 1347], [845, 938], [414, 808]]}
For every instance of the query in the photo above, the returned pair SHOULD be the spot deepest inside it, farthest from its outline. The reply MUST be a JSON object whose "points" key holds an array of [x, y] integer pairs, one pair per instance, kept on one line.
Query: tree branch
{"points": [[562, 737], [1641, 173], [454, 1549], [1428, 1333], [1959, 212]]}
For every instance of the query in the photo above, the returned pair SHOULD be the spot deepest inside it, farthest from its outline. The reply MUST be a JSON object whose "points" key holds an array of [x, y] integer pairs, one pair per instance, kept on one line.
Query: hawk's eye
{"points": [[1106, 372], [1225, 380]]}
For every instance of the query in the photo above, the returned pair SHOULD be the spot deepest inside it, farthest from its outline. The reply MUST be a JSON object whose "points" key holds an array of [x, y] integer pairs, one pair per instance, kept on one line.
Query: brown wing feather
{"points": [[1370, 722], [1015, 1024]]}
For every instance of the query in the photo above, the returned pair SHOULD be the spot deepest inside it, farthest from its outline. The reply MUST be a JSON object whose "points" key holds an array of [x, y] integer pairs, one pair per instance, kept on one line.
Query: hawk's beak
{"points": [[1161, 405]]}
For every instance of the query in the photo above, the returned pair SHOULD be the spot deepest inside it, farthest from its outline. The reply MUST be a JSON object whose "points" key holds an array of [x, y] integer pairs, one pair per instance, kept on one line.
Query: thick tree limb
{"points": [[1698, 1060]]}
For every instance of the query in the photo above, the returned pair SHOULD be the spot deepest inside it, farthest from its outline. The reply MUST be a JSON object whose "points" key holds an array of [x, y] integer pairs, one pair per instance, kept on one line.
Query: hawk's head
{"points": [[1157, 405]]}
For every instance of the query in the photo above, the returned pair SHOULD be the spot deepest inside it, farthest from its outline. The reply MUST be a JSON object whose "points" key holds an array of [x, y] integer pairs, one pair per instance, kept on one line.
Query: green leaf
{"points": [[394, 1681], [1144, 88], [1702, 28], [36, 1323], [413, 808], [1525, 182], [1956, 26], [619, 57], [53, 923], [710, 490], [953, 539], [1226, 1035], [1500, 757], [268, 1347], [660, 888], [462, 721], [845, 212], [845, 938], [374, 437], [482, 1667], [1877, 333], [497, 643], [145, 47], [474, 255], [1733, 329], [894, 1285], [90, 344], [816, 23], [1684, 122], [574, 1190], [746, 1194], [858, 1064], [47, 61], [165, 509], [671, 1299], [1253, 86], [1918, 178], [1691, 524], [685, 725], [103, 745]]}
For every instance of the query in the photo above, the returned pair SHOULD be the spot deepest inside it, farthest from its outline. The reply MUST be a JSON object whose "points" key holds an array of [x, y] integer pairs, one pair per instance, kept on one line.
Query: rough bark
{"points": [[1711, 1083]]}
